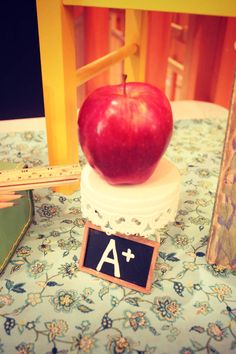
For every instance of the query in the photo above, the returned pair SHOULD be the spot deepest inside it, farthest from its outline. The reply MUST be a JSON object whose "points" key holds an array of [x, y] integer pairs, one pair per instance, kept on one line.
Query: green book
{"points": [[14, 222]]}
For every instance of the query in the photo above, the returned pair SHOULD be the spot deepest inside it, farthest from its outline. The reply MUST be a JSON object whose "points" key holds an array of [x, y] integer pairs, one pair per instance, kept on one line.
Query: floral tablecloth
{"points": [[48, 306]]}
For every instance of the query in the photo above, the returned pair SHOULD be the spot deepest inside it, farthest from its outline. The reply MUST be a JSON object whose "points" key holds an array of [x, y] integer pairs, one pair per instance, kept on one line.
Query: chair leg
{"points": [[57, 51], [136, 29]]}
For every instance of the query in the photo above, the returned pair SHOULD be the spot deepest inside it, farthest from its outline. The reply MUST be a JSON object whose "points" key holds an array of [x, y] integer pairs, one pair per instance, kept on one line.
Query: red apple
{"points": [[124, 130]]}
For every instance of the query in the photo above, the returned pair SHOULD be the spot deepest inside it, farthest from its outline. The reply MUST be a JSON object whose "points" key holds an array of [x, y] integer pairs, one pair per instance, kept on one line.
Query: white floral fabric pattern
{"points": [[48, 306]]}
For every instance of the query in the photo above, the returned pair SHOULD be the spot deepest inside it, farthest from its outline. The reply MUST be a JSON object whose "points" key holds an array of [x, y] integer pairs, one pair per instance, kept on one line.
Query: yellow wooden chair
{"points": [[59, 75]]}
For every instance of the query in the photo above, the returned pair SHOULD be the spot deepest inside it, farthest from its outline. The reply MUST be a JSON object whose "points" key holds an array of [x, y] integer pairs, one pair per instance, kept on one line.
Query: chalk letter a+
{"points": [[110, 247]]}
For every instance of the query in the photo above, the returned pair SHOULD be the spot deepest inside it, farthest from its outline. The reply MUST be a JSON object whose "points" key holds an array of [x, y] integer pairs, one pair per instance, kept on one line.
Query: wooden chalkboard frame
{"points": [[136, 239]]}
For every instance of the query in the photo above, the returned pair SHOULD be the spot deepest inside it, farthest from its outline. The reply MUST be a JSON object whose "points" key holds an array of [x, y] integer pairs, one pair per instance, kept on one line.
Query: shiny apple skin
{"points": [[124, 135]]}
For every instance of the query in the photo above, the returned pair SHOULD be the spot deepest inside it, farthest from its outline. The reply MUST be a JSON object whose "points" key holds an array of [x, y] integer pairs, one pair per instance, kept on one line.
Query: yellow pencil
{"points": [[7, 192], [9, 197], [6, 204]]}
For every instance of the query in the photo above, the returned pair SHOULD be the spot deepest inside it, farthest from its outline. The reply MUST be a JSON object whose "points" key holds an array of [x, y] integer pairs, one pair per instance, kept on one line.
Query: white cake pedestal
{"points": [[131, 209]]}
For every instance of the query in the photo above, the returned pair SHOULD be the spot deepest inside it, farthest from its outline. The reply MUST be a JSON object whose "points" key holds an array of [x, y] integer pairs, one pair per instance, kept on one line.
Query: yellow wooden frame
{"points": [[57, 52], [201, 7]]}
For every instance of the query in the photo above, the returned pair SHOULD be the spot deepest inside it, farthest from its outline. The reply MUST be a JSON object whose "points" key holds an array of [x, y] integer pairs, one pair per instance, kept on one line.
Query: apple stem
{"points": [[124, 78]]}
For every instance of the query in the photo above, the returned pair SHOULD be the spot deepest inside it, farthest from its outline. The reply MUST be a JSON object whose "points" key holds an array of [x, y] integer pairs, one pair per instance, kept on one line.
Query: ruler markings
{"points": [[38, 177]]}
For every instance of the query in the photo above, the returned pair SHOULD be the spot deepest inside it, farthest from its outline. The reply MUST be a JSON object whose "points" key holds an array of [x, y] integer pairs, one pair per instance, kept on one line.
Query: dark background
{"points": [[20, 72]]}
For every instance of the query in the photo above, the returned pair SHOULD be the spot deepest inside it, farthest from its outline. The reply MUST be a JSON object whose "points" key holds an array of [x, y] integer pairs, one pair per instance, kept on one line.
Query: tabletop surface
{"points": [[48, 306]]}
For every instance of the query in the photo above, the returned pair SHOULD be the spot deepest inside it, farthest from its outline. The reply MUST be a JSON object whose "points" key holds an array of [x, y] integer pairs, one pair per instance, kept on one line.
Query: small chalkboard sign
{"points": [[125, 260]]}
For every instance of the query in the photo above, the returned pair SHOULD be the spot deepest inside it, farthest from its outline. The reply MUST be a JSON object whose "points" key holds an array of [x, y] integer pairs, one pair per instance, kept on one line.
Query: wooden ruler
{"points": [[38, 177]]}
